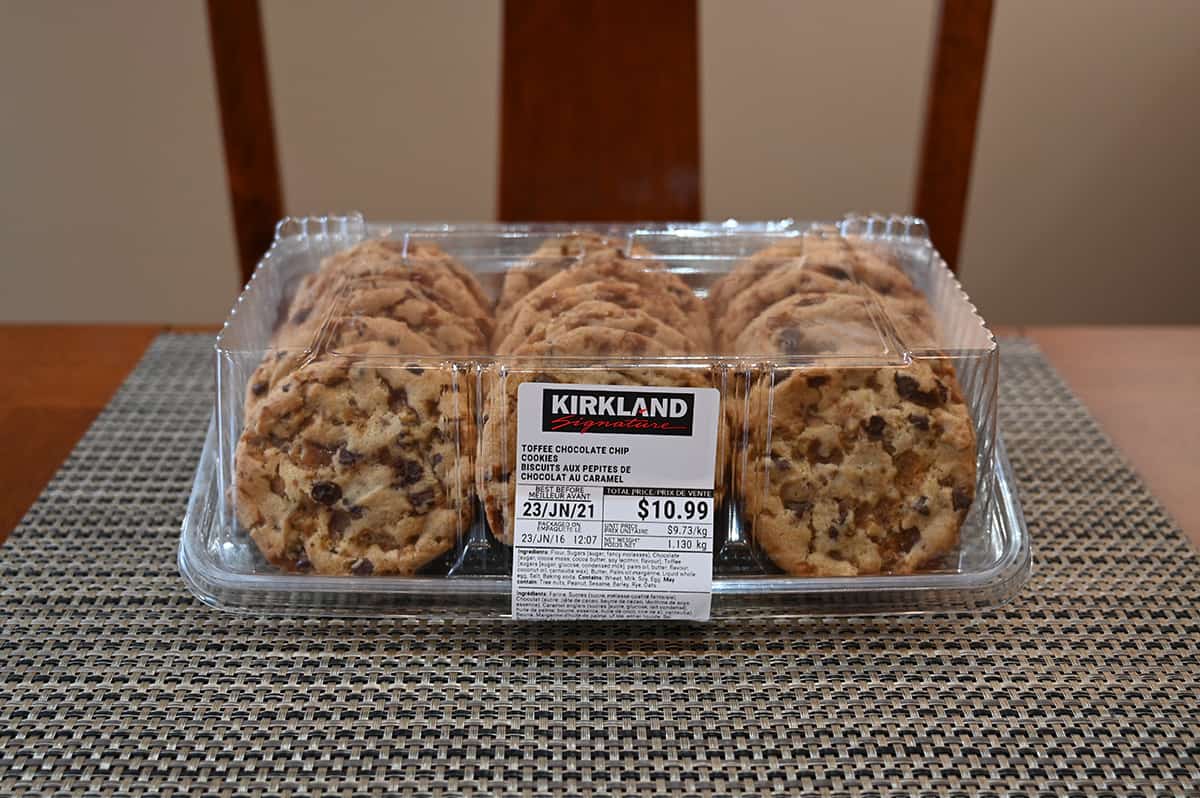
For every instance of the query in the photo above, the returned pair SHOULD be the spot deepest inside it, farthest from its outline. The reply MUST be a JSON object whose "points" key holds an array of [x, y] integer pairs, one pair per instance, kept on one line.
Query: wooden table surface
{"points": [[1142, 383]]}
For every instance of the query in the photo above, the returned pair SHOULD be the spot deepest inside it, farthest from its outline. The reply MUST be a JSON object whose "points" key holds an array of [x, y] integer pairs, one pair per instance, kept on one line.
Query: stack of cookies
{"points": [[846, 469], [582, 297], [351, 465], [360, 443]]}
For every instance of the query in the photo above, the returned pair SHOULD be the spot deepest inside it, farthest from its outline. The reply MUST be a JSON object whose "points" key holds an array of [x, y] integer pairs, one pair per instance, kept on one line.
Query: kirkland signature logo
{"points": [[623, 412]]}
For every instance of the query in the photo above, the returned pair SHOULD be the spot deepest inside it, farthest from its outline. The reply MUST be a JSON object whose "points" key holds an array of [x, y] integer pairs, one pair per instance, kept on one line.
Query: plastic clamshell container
{"points": [[991, 561]]}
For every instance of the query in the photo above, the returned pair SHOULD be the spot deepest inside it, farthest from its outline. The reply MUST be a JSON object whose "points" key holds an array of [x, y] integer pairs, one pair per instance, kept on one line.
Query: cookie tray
{"points": [[225, 568], [226, 572]]}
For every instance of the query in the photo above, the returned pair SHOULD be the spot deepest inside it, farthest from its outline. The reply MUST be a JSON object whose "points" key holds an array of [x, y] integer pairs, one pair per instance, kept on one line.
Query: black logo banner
{"points": [[617, 412]]}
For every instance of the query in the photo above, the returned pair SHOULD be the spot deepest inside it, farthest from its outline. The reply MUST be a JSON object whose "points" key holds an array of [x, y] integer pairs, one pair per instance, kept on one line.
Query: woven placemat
{"points": [[113, 679]]}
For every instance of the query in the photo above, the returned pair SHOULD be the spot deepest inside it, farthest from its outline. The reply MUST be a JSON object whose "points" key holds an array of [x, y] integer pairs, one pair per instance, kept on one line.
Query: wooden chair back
{"points": [[600, 115]]}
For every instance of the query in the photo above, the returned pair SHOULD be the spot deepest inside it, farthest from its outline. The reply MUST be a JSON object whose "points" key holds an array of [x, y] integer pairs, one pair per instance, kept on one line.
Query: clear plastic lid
{"points": [[367, 390]]}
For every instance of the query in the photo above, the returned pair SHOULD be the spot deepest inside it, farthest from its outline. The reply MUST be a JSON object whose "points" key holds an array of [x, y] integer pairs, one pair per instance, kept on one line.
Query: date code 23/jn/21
{"points": [[568, 510], [647, 510], [625, 519]]}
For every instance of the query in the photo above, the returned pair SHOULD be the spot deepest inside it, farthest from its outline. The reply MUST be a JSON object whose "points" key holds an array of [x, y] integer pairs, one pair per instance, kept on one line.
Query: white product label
{"points": [[614, 512]]}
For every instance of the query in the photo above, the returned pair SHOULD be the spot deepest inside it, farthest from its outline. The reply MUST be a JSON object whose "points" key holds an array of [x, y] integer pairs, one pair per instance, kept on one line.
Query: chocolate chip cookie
{"points": [[349, 333], [843, 259], [407, 302], [435, 302], [749, 271], [601, 313], [607, 265], [498, 440], [346, 467], [379, 264], [625, 295], [426, 256], [844, 469], [595, 306], [826, 325], [859, 470], [785, 280], [554, 255], [353, 460]]}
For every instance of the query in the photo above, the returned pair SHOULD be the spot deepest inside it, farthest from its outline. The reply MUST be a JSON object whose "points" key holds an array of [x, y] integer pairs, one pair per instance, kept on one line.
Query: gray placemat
{"points": [[114, 680]]}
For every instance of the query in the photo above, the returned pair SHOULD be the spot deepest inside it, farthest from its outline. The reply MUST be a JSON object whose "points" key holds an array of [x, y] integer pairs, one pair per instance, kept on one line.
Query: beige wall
{"points": [[811, 109], [1087, 181], [390, 108], [112, 195], [113, 203]]}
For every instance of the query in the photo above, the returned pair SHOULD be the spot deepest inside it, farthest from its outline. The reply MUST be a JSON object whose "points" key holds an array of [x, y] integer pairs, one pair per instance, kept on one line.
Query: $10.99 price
{"points": [[673, 509]]}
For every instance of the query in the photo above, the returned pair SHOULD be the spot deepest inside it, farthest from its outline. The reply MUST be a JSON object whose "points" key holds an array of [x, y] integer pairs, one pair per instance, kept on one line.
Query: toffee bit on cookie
{"points": [[397, 399], [875, 426], [408, 472], [326, 493], [816, 453], [908, 538], [910, 389], [791, 341], [362, 567], [314, 454], [422, 499], [798, 507], [339, 522], [836, 272], [960, 498]]}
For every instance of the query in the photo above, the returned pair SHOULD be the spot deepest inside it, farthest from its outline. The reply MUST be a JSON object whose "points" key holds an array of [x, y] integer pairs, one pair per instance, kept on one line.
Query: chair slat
{"points": [[244, 94], [951, 118], [600, 111]]}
